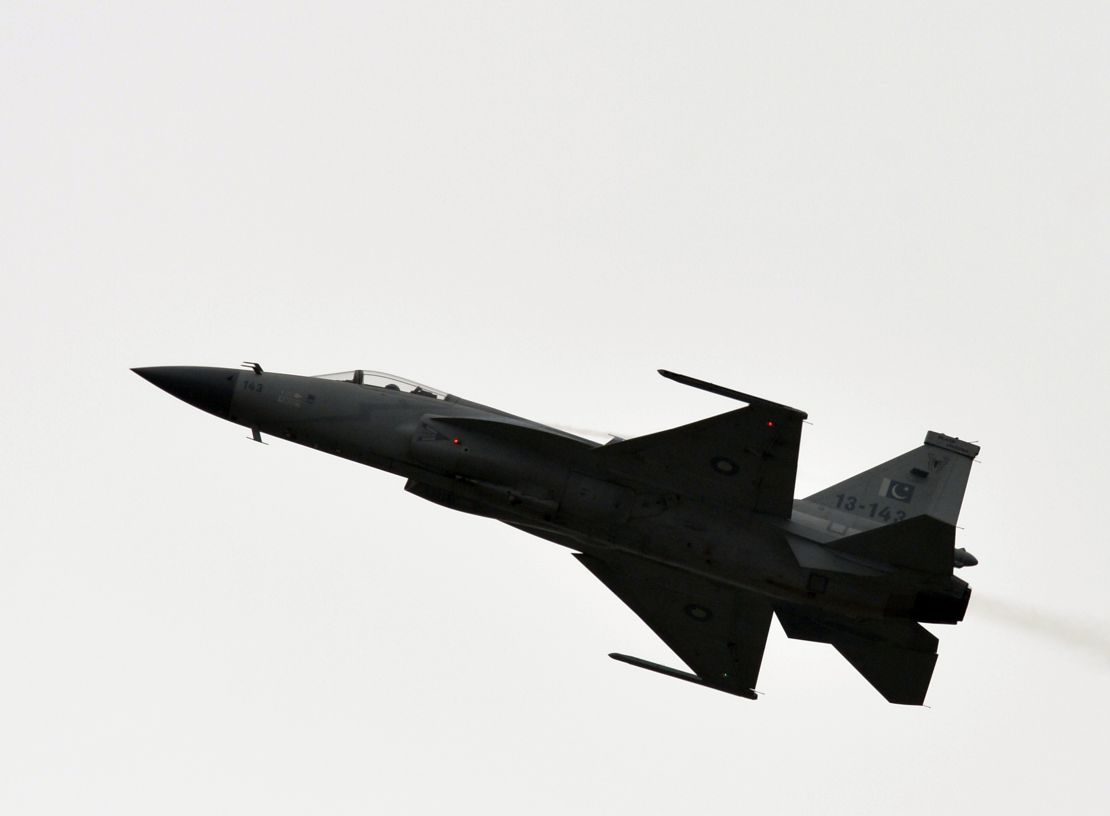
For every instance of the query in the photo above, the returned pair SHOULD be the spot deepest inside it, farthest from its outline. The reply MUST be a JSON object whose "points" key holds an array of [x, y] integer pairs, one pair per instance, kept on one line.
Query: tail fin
{"points": [[929, 480]]}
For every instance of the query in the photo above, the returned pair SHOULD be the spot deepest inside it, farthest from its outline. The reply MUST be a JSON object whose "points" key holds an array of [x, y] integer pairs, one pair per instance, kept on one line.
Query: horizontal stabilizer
{"points": [[920, 543], [897, 657], [901, 675]]}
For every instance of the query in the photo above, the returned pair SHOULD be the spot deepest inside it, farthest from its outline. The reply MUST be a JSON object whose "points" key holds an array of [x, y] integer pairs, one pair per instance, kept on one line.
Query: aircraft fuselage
{"points": [[547, 482]]}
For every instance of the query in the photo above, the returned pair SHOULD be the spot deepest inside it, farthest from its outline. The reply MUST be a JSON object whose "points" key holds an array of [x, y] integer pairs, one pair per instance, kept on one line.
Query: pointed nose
{"points": [[209, 389]]}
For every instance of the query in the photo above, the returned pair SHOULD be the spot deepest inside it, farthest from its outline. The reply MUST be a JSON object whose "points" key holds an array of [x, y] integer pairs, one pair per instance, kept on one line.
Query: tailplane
{"points": [[896, 656], [921, 543], [929, 480]]}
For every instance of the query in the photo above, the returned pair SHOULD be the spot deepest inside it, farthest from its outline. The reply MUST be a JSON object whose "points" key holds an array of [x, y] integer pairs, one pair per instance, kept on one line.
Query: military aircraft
{"points": [[695, 528]]}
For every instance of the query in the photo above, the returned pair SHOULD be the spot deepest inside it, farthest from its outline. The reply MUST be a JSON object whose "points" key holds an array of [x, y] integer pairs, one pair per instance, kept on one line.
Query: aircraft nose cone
{"points": [[209, 389]]}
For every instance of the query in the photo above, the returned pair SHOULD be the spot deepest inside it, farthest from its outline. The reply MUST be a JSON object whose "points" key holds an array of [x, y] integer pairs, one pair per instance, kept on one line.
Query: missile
{"points": [[681, 675]]}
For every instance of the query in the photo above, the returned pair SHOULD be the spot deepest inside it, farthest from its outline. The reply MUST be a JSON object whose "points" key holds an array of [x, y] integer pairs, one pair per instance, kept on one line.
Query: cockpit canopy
{"points": [[379, 379]]}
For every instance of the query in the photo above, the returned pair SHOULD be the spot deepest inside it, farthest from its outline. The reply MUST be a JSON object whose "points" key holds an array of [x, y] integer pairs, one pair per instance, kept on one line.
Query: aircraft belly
{"points": [[594, 505], [757, 561]]}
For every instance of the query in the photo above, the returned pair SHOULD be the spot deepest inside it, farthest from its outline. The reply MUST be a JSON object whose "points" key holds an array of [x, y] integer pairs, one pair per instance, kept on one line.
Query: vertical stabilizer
{"points": [[929, 480]]}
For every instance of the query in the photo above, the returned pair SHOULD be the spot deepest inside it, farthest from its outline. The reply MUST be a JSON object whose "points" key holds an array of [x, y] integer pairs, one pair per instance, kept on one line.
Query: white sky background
{"points": [[892, 215]]}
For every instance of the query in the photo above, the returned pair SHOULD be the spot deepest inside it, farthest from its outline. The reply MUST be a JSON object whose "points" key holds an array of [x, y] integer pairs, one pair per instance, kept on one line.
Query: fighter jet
{"points": [[695, 528]]}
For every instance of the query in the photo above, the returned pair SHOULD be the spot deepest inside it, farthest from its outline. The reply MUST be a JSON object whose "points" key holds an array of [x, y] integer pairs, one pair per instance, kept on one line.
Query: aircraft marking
{"points": [[854, 504]]}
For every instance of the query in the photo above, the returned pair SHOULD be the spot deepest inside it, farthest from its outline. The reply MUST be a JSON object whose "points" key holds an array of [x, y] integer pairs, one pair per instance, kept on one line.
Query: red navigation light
{"points": [[455, 441], [770, 423]]}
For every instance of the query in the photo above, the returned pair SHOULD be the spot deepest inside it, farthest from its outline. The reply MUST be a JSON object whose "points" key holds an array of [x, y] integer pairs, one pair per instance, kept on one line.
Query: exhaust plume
{"points": [[1088, 637]]}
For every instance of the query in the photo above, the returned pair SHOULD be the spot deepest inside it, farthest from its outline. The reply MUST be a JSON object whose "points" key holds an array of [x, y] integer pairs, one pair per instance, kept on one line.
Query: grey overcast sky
{"points": [[891, 215]]}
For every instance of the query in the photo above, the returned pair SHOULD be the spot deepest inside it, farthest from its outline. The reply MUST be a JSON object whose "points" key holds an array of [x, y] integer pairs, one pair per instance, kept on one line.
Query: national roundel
{"points": [[899, 491]]}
